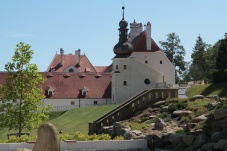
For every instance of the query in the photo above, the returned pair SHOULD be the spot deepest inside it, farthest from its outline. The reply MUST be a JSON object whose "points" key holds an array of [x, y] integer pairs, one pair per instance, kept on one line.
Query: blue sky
{"points": [[92, 25]]}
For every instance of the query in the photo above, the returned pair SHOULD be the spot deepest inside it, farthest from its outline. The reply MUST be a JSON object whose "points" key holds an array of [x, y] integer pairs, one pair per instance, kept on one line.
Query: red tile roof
{"points": [[103, 68], [98, 85], [68, 86], [139, 44], [70, 60]]}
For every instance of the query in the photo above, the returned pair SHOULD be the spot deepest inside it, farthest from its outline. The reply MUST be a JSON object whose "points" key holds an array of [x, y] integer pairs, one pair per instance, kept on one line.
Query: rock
{"points": [[159, 103], [47, 138], [220, 144], [210, 106], [105, 129], [159, 124], [181, 113], [191, 125], [164, 109], [214, 97], [21, 149], [119, 129], [200, 140], [199, 119], [154, 141], [208, 146], [190, 148], [135, 134], [189, 139], [176, 139], [220, 113], [180, 147], [216, 136], [196, 97], [152, 116]]}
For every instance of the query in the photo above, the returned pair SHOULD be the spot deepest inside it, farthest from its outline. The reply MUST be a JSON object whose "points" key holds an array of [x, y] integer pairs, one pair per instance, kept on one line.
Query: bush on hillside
{"points": [[176, 104]]}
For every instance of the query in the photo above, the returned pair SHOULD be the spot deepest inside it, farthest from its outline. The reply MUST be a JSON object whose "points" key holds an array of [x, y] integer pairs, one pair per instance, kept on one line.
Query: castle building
{"points": [[139, 64]]}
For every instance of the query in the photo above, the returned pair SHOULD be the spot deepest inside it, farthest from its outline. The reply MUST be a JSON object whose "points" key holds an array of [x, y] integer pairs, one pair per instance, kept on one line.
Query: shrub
{"points": [[176, 104], [222, 103], [198, 106]]}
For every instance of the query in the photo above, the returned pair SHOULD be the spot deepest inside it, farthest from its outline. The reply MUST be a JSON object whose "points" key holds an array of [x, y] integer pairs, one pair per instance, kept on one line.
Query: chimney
{"points": [[61, 53], [78, 52], [148, 36]]}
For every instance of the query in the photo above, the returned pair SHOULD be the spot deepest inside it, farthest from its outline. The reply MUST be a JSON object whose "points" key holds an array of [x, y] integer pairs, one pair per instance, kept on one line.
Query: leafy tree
{"points": [[221, 57], [21, 103], [175, 53], [198, 69]]}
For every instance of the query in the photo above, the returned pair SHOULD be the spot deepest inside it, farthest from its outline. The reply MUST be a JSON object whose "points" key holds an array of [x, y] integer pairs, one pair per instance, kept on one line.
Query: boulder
{"points": [[191, 125], [181, 113], [210, 106], [47, 138], [164, 109], [199, 119], [220, 113], [176, 138], [134, 134], [221, 144], [159, 103], [216, 136], [196, 97], [119, 129], [214, 97], [200, 140], [189, 139], [190, 148], [159, 124], [180, 147], [208, 146]]}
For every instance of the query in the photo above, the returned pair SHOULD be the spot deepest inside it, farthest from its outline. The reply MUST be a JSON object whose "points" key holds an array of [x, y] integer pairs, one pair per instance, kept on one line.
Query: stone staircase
{"points": [[131, 106]]}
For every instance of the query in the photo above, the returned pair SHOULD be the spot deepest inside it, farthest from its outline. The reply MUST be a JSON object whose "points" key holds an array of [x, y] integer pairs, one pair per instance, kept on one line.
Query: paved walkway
{"points": [[181, 92]]}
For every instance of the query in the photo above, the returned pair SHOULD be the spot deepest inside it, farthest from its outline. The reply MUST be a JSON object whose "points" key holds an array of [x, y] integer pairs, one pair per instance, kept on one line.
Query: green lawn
{"points": [[208, 89], [72, 120]]}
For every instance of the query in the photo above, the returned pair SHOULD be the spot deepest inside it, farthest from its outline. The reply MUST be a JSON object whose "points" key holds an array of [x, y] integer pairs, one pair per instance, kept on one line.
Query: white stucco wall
{"points": [[153, 60], [60, 103], [86, 145], [134, 75]]}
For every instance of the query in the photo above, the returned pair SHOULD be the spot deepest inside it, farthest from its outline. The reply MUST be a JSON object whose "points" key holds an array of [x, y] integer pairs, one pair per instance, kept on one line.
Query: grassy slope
{"points": [[208, 89], [72, 120]]}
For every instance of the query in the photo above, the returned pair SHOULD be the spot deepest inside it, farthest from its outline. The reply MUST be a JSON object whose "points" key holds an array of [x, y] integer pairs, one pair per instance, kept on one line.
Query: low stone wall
{"points": [[85, 145]]}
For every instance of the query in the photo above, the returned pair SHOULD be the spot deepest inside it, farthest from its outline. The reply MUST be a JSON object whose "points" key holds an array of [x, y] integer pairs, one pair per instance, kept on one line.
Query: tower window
{"points": [[160, 62], [125, 83], [147, 81], [125, 66], [116, 66], [146, 61]]}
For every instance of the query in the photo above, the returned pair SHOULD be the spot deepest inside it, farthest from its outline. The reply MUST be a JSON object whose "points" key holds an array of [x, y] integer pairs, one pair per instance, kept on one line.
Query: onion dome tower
{"points": [[123, 48]]}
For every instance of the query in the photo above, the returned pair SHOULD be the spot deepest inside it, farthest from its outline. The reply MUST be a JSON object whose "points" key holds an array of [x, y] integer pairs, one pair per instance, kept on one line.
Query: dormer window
{"points": [[50, 91], [84, 91], [71, 70]]}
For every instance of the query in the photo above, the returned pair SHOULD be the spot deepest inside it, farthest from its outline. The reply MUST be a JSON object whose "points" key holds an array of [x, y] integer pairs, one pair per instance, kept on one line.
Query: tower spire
{"points": [[123, 7]]}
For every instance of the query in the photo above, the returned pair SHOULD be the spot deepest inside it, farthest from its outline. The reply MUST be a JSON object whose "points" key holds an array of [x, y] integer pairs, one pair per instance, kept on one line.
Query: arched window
{"points": [[71, 70]]}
